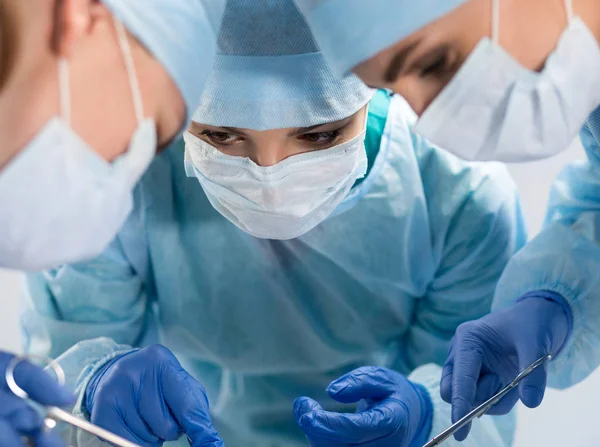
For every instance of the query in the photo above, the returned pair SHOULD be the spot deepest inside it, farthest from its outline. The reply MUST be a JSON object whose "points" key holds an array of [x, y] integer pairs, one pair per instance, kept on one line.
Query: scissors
{"points": [[487, 405], [55, 414]]}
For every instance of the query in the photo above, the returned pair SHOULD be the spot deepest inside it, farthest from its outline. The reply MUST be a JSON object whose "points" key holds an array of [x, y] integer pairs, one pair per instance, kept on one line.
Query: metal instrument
{"points": [[487, 405], [55, 414]]}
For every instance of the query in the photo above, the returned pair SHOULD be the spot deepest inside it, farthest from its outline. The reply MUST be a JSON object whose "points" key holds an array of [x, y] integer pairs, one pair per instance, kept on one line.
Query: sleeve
{"points": [[490, 431], [476, 225], [86, 314], [565, 259]]}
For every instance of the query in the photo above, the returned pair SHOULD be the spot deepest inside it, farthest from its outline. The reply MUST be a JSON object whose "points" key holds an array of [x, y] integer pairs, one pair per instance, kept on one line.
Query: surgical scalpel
{"points": [[487, 405], [55, 414]]}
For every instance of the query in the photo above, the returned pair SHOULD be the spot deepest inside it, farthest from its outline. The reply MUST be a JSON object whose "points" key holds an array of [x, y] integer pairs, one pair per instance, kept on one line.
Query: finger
{"points": [[354, 428], [8, 436], [533, 387], [128, 425], [157, 415], [506, 405], [467, 367], [48, 439], [446, 381], [38, 384], [369, 382], [487, 387], [22, 417], [304, 405], [187, 400]]}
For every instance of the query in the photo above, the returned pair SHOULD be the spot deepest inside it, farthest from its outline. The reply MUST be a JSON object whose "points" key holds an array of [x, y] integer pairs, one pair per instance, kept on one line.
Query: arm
{"points": [[67, 309], [565, 259], [477, 225]]}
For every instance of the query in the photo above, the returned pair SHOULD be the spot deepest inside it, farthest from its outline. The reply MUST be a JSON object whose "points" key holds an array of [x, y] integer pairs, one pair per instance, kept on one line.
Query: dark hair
{"points": [[8, 42]]}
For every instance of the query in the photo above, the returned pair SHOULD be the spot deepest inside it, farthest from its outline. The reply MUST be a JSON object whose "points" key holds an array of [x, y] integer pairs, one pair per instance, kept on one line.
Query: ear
{"points": [[72, 20]]}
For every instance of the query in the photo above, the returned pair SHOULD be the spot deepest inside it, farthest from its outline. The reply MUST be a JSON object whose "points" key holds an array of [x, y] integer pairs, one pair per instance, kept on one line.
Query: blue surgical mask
{"points": [[60, 202], [496, 109]]}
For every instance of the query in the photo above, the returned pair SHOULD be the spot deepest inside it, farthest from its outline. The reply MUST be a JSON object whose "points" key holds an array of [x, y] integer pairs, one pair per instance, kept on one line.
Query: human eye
{"points": [[321, 138], [435, 66], [220, 138]]}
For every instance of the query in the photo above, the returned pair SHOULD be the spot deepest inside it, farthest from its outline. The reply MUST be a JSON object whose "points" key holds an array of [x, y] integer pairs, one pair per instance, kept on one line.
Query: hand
{"points": [[487, 354], [393, 412], [148, 398], [17, 417]]}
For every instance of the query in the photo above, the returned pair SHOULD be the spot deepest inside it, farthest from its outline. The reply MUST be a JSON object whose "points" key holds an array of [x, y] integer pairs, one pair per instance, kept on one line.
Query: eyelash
{"points": [[316, 137], [436, 67], [219, 138]]}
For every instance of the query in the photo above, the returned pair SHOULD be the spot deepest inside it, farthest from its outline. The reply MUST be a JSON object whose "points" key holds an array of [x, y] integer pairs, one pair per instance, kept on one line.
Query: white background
{"points": [[565, 418]]}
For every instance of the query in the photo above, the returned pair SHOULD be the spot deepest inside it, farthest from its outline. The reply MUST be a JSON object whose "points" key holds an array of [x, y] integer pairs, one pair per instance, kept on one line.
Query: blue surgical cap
{"points": [[270, 74], [352, 31], [180, 34]]}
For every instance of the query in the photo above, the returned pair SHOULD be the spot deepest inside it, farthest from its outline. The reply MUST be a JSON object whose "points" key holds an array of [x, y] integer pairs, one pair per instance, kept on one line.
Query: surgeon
{"points": [[88, 91], [303, 252], [510, 81]]}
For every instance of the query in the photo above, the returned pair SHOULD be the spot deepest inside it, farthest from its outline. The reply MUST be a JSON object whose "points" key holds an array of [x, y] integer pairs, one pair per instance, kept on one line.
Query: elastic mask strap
{"points": [[64, 90], [131, 72], [496, 21], [570, 12]]}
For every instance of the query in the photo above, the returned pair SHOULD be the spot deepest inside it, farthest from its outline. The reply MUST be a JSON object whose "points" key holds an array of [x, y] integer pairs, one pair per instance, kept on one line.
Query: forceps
{"points": [[55, 414], [487, 405]]}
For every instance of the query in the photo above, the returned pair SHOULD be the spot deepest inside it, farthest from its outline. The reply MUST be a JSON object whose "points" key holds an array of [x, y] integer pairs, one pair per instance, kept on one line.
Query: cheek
{"points": [[102, 111]]}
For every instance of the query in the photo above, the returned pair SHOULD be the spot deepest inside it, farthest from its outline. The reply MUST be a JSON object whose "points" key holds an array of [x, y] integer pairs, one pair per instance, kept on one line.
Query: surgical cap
{"points": [[270, 74], [180, 34], [352, 31]]}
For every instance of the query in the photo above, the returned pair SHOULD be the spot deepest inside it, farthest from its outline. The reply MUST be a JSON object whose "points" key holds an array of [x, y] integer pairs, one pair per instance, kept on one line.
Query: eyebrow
{"points": [[398, 62]]}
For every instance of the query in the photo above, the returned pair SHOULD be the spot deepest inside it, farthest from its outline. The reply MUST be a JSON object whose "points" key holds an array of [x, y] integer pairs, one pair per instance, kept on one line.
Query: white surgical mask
{"points": [[495, 109], [60, 202], [283, 201]]}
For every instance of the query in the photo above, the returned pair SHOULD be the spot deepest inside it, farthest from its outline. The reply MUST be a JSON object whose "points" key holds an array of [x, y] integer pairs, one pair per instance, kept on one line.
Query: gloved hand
{"points": [[17, 417], [393, 412], [148, 398], [487, 354]]}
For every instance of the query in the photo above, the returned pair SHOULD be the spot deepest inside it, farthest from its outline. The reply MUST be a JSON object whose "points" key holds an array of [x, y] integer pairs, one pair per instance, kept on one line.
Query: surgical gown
{"points": [[565, 258], [414, 251]]}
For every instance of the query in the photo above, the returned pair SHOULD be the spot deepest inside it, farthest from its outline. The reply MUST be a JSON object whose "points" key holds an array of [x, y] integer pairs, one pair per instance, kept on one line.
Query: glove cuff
{"points": [[90, 391], [566, 308]]}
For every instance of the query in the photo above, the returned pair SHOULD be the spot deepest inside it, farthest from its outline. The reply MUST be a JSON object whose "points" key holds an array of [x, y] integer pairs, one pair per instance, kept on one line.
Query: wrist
{"points": [[423, 431], [556, 313]]}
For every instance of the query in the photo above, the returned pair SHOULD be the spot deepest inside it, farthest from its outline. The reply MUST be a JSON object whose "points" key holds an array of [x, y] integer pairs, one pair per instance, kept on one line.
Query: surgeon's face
{"points": [[420, 66], [102, 109], [269, 147]]}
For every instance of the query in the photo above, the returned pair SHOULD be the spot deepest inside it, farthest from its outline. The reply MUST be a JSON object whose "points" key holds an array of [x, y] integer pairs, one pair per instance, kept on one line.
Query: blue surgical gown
{"points": [[416, 250], [565, 258]]}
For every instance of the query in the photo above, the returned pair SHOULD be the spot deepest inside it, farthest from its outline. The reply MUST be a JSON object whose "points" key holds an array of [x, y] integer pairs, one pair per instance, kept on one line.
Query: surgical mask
{"points": [[60, 202], [495, 109], [283, 201]]}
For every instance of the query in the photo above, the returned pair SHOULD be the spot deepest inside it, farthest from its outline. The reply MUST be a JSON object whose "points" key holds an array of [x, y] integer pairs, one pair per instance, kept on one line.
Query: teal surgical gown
{"points": [[565, 258], [415, 250]]}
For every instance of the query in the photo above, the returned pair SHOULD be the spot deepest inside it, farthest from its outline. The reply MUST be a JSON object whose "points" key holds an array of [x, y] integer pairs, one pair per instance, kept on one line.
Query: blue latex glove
{"points": [[393, 412], [17, 418], [148, 398], [487, 354]]}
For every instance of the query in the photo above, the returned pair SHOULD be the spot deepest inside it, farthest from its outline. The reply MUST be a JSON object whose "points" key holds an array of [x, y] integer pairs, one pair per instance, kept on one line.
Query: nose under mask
{"points": [[283, 201], [496, 109]]}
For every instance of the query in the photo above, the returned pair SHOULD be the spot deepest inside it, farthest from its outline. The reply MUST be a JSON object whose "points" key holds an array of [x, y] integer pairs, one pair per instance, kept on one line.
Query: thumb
{"points": [[369, 382], [188, 403], [37, 383], [532, 387], [305, 405]]}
